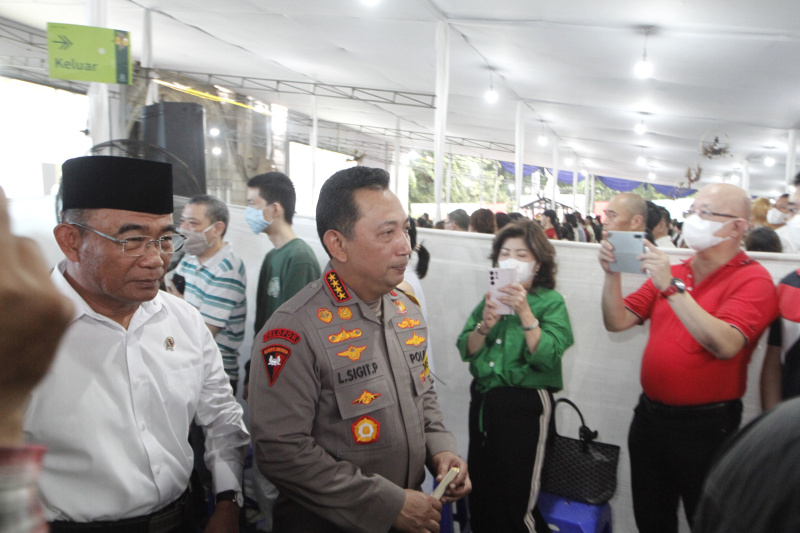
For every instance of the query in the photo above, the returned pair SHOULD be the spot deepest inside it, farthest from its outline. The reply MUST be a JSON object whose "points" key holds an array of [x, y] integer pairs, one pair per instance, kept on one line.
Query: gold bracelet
{"points": [[478, 329]]}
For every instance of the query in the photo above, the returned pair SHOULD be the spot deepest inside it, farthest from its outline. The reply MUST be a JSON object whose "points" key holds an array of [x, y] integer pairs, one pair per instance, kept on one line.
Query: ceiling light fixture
{"points": [[216, 150], [491, 95], [568, 161], [644, 68], [370, 3], [542, 139], [769, 161], [651, 175], [640, 128], [214, 132]]}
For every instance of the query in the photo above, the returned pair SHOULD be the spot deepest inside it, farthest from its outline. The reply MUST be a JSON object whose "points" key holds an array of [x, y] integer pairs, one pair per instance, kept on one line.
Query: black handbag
{"points": [[581, 469]]}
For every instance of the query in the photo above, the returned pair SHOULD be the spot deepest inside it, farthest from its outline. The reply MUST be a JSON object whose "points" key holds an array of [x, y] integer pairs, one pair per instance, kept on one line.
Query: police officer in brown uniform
{"points": [[343, 413]]}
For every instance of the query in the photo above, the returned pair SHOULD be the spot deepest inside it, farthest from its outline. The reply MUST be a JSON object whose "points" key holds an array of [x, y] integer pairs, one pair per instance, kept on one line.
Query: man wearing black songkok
{"points": [[135, 367]]}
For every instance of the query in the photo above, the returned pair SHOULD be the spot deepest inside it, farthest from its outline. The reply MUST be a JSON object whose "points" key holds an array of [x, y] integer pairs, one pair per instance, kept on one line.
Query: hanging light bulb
{"points": [[542, 140], [640, 128], [644, 69], [651, 175], [568, 161], [769, 161]]}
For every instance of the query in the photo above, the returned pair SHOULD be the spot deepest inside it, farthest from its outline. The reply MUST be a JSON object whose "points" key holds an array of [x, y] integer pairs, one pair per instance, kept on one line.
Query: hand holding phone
{"points": [[628, 246]]}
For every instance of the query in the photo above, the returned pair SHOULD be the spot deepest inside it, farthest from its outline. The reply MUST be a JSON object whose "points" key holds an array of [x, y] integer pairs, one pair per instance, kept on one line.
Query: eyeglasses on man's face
{"points": [[704, 213], [139, 245]]}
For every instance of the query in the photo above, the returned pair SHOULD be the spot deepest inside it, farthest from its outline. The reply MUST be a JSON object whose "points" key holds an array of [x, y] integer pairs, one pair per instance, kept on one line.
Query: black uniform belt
{"points": [[167, 519]]}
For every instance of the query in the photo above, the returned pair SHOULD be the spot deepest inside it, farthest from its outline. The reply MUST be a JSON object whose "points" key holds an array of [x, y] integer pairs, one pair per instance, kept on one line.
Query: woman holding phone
{"points": [[515, 360]]}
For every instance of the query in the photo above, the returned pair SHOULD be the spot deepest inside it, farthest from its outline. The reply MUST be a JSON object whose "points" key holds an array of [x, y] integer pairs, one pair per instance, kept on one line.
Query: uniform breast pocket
{"points": [[369, 417]]}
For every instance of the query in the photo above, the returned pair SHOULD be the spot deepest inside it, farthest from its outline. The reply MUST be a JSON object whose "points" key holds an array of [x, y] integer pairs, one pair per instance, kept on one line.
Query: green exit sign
{"points": [[87, 53]]}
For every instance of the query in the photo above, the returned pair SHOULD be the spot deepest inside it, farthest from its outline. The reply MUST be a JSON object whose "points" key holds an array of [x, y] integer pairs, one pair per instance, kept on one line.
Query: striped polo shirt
{"points": [[217, 290]]}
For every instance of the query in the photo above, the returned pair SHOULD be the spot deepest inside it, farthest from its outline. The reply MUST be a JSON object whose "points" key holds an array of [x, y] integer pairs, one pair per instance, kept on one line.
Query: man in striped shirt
{"points": [[215, 277]]}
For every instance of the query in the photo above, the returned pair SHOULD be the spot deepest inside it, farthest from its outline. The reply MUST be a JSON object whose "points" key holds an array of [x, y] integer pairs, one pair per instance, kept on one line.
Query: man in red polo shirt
{"points": [[706, 317]]}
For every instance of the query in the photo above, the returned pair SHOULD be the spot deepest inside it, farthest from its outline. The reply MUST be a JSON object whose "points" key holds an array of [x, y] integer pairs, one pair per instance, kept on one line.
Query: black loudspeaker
{"points": [[179, 128]]}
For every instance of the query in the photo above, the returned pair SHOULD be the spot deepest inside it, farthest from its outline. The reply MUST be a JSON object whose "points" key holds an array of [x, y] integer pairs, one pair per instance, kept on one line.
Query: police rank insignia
{"points": [[401, 309], [336, 286], [169, 344], [324, 315], [345, 313], [366, 430], [344, 335], [275, 357], [366, 398], [352, 352], [408, 323], [416, 340]]}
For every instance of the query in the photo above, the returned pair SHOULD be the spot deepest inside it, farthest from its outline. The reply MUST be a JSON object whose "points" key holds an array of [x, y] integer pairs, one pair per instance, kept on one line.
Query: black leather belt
{"points": [[689, 410], [166, 520]]}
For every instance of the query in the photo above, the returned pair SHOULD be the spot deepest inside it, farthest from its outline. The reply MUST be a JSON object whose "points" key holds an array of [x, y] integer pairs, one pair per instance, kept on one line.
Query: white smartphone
{"points": [[498, 278], [628, 245]]}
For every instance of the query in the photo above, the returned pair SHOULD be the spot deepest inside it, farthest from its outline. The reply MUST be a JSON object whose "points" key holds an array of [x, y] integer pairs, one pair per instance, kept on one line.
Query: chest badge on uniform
{"points": [[366, 430], [324, 315], [275, 357], [408, 323], [401, 309], [169, 344], [345, 313], [366, 398], [344, 335], [416, 340], [353, 352], [426, 372], [336, 286]]}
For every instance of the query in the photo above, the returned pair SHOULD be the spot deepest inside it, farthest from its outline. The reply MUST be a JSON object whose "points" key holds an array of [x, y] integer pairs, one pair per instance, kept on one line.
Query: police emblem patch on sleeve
{"points": [[281, 333], [366, 430], [275, 357]]}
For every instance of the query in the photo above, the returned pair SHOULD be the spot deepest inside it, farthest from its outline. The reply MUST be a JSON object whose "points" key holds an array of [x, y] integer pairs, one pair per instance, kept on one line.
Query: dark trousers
{"points": [[671, 450], [505, 459]]}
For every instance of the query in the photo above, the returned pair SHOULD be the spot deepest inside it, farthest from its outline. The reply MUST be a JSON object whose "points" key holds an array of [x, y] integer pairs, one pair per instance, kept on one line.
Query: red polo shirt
{"points": [[676, 369]]}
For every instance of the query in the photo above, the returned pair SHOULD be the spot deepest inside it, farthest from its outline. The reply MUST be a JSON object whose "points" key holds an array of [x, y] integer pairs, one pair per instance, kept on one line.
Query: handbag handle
{"points": [[585, 434]]}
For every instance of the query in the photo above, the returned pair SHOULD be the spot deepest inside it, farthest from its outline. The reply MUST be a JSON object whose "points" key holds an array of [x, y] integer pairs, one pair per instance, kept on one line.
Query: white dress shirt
{"points": [[115, 409]]}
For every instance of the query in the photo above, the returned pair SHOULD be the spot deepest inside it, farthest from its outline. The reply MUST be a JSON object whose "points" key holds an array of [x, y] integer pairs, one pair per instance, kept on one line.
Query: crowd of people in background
{"points": [[768, 232]]}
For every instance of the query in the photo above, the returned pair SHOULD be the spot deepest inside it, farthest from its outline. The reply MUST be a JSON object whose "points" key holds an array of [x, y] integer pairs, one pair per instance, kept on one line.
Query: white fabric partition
{"points": [[601, 370]]}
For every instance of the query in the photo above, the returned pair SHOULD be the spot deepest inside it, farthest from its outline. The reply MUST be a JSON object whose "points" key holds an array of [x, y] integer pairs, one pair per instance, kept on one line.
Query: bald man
{"points": [[706, 316], [626, 212]]}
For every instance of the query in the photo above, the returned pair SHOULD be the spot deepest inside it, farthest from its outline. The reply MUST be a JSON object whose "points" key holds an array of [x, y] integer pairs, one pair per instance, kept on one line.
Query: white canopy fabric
{"points": [[721, 68]]}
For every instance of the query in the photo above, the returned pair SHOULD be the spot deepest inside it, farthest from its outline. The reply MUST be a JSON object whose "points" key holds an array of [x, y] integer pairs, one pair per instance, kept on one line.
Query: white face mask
{"points": [[525, 271], [699, 233], [776, 217], [793, 227]]}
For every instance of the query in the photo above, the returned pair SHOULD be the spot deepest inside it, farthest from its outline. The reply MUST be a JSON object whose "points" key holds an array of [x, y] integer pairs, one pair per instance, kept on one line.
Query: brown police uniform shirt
{"points": [[342, 410]]}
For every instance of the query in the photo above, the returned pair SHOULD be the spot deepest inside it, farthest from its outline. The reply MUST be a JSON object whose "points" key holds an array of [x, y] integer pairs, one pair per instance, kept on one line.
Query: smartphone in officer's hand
{"points": [[628, 245]]}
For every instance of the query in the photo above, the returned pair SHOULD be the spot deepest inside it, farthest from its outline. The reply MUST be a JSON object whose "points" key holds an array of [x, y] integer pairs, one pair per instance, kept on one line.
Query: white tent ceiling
{"points": [[727, 66]]}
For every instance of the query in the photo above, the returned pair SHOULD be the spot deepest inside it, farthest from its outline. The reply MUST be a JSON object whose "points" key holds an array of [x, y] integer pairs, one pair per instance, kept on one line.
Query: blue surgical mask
{"points": [[255, 219]]}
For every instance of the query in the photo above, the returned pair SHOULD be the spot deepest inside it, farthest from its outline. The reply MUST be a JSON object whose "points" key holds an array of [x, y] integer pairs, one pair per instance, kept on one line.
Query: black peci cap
{"points": [[109, 182]]}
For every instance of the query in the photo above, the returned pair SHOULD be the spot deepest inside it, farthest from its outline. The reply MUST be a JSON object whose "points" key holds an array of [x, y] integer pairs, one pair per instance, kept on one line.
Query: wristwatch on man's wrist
{"points": [[676, 286], [231, 496]]}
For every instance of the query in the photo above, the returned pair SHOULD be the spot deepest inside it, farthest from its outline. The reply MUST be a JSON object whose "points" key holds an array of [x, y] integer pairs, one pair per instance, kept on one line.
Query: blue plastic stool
{"points": [[567, 516]]}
